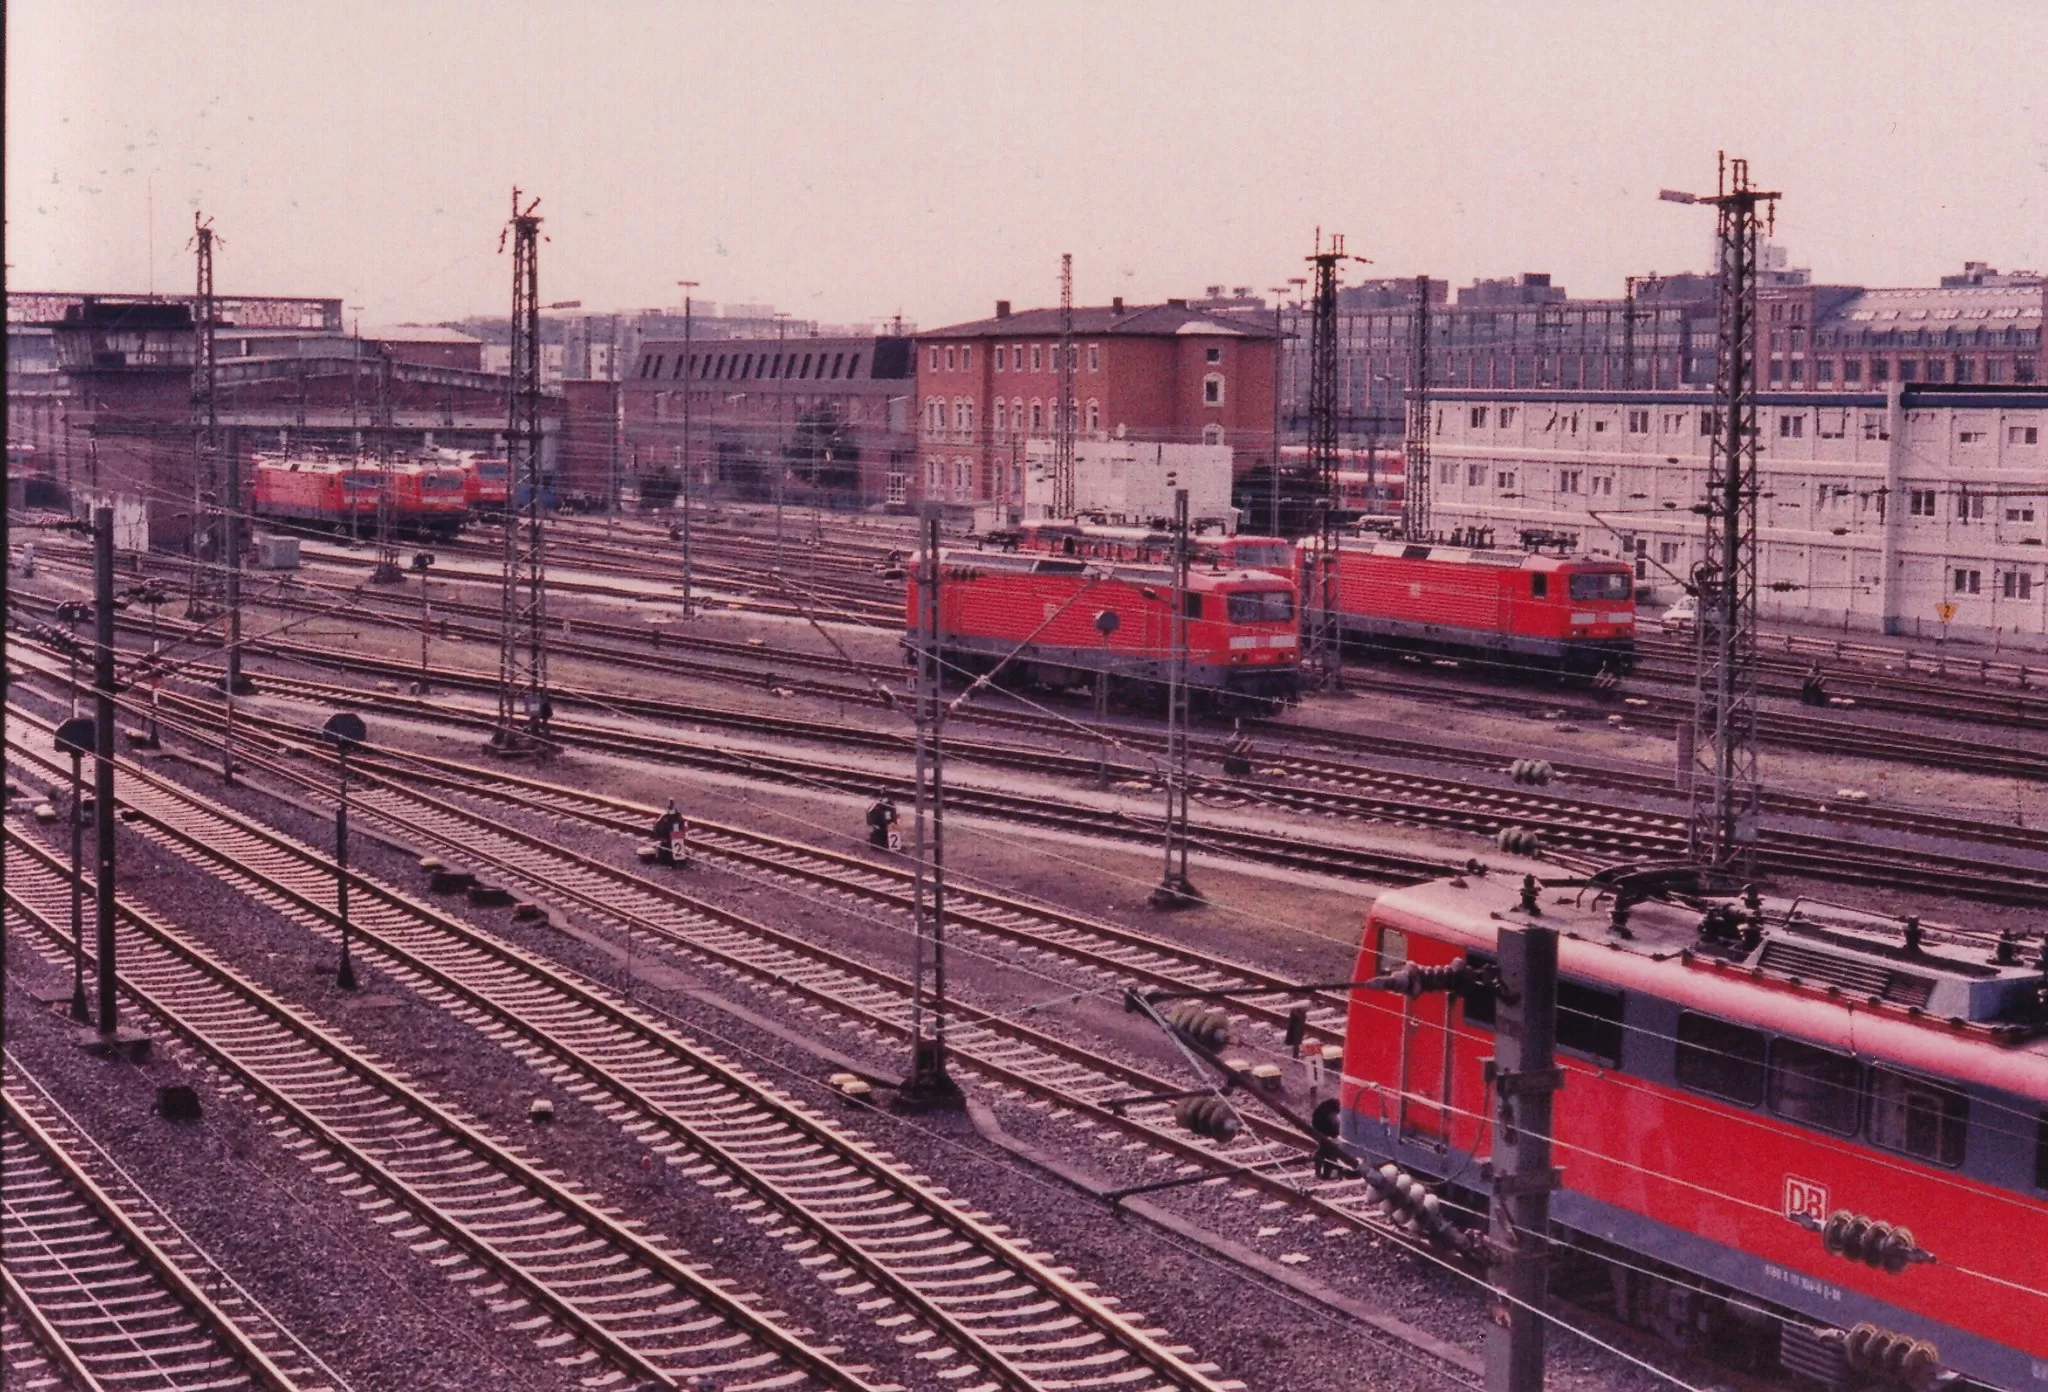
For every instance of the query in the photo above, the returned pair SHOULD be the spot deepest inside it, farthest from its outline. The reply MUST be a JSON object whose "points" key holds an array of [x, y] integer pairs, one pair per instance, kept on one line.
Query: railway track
{"points": [[973, 1293], [1576, 829], [104, 1288], [459, 1198]]}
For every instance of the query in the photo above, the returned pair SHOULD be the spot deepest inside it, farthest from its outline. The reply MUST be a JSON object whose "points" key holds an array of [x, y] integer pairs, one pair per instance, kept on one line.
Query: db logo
{"points": [[1807, 1197]]}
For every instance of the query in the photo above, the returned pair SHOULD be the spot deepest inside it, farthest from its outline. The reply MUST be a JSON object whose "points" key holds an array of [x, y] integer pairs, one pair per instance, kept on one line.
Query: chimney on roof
{"points": [[1002, 309], [1176, 304], [1116, 306]]}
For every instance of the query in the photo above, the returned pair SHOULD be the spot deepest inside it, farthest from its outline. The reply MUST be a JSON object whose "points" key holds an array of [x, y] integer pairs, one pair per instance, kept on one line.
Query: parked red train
{"points": [[343, 495], [486, 483], [1099, 541], [1040, 613], [1748, 1089], [1571, 614]]}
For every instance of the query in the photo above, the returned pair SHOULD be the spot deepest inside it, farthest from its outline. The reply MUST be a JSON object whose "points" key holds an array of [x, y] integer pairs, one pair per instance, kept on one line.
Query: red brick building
{"points": [[1149, 372], [824, 420]]}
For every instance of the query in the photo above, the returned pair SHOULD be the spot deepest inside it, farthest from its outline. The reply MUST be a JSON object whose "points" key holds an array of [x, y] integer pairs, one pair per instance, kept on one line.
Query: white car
{"points": [[1682, 616]]}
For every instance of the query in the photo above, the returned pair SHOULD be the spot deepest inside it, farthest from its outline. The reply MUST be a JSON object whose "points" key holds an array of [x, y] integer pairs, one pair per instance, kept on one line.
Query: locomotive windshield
{"points": [[1273, 555], [1262, 606], [1594, 585]]}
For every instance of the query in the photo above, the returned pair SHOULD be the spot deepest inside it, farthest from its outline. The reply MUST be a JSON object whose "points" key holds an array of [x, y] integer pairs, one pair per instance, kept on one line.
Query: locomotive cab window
{"points": [[1720, 1059], [1589, 1022], [1392, 953], [1262, 606], [1596, 585], [1918, 1118], [1191, 605], [1814, 1086], [1539, 587]]}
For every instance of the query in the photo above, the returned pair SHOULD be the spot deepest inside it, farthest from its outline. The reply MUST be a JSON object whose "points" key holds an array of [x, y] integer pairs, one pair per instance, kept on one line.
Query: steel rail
{"points": [[96, 1341], [159, 970], [236, 845]]}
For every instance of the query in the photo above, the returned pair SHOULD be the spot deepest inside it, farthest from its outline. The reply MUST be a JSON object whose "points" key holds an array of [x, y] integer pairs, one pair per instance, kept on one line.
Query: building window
{"points": [[1000, 355], [1212, 389], [1824, 372], [1969, 582], [1504, 480], [963, 478], [1833, 425], [1852, 371], [1017, 414], [1212, 434], [1002, 416], [2018, 584], [1638, 422], [1568, 480], [1475, 476], [1934, 370], [934, 474], [1878, 370], [963, 415], [1667, 552], [1963, 373], [1970, 507], [853, 366], [899, 486], [1969, 437], [1447, 474], [1791, 427], [1920, 502], [1507, 416], [1094, 414], [2023, 434], [1875, 427], [1478, 417], [1037, 357], [1214, 355], [950, 358], [2023, 513], [1601, 486], [967, 358], [1037, 411], [1095, 357], [934, 417], [935, 359]]}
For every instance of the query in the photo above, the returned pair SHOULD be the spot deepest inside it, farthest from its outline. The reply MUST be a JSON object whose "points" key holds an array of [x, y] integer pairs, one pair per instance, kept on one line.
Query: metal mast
{"points": [[1726, 792], [1323, 636], [1630, 317], [386, 571], [1415, 466], [523, 708], [205, 533], [1063, 428], [1175, 891]]}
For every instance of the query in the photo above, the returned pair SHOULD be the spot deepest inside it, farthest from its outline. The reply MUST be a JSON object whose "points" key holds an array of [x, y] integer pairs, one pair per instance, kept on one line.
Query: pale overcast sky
{"points": [[849, 161]]}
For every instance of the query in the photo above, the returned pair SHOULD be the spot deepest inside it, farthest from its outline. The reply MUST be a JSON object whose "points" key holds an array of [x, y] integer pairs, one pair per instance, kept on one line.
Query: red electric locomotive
{"points": [[486, 483], [1792, 1134], [428, 499], [1148, 546], [1570, 614], [342, 495], [324, 494], [1041, 614]]}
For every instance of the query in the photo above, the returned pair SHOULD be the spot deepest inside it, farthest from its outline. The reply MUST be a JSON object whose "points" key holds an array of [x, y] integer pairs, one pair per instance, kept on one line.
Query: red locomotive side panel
{"points": [[1036, 617], [1571, 614], [1717, 1106], [322, 493]]}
